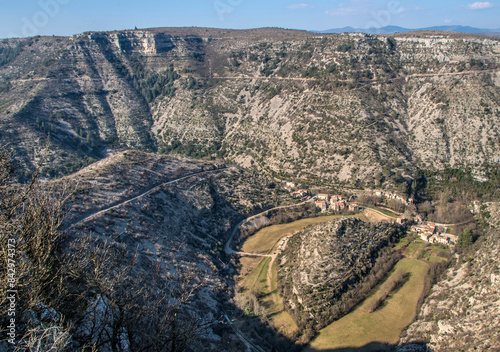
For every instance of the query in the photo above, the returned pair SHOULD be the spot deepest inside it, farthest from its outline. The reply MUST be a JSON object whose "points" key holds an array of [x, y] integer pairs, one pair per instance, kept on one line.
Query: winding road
{"points": [[145, 193], [227, 247], [228, 250]]}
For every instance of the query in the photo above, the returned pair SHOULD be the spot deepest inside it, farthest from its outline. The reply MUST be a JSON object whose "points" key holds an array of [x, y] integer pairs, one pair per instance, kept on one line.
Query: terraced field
{"points": [[361, 329]]}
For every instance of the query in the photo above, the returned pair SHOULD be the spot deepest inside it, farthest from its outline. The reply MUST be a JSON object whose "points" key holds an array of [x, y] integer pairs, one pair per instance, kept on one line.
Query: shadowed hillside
{"points": [[340, 107]]}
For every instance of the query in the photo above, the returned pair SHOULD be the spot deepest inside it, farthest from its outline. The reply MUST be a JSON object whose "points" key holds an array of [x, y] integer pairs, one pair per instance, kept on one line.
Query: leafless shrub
{"points": [[29, 240], [126, 308], [104, 298], [45, 339], [369, 199]]}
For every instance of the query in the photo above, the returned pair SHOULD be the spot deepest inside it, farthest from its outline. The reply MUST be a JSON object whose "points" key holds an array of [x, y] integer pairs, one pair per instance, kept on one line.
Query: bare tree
{"points": [[130, 308], [98, 295], [29, 243]]}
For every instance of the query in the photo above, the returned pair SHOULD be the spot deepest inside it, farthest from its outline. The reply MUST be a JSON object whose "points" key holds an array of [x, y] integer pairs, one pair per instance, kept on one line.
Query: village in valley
{"points": [[430, 232], [427, 231], [324, 202]]}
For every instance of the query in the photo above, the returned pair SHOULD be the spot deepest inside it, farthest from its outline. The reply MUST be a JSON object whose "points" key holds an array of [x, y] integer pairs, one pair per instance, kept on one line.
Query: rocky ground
{"points": [[461, 311], [165, 219], [336, 107], [324, 263]]}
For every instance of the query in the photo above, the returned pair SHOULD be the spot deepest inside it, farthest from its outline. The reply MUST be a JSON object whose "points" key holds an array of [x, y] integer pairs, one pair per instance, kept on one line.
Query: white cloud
{"points": [[299, 6], [479, 5], [342, 10], [448, 20]]}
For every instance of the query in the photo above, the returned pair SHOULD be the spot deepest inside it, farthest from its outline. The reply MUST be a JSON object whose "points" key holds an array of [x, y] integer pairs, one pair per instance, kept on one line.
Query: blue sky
{"points": [[66, 17]]}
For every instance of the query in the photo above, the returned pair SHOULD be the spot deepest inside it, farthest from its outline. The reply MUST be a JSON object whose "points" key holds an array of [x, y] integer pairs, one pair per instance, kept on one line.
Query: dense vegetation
{"points": [[152, 84]]}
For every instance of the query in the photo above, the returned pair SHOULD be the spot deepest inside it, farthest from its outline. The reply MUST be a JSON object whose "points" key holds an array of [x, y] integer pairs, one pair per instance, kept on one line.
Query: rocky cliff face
{"points": [[289, 104], [461, 312], [338, 107]]}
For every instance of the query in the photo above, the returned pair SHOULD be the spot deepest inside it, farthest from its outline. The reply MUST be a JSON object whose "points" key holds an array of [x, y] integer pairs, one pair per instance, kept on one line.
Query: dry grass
{"points": [[248, 264], [373, 216], [284, 322], [386, 212], [256, 281], [265, 240], [275, 310], [405, 241], [361, 328], [257, 278], [254, 271], [415, 248], [435, 253]]}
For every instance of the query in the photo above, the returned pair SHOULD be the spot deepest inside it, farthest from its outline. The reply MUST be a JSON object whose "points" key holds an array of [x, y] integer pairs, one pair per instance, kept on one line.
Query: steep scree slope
{"points": [[337, 107]]}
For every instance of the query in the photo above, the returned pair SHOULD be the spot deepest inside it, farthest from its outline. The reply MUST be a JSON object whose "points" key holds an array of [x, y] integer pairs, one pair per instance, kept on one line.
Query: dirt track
{"points": [[375, 216]]}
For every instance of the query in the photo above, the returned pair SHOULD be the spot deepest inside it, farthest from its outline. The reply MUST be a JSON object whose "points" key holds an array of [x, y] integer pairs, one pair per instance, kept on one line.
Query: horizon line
{"points": [[318, 31]]}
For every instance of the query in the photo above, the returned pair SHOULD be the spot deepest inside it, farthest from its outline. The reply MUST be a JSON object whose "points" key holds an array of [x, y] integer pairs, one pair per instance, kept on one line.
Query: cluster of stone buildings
{"points": [[390, 195], [335, 203], [429, 233], [300, 193], [324, 202], [292, 186]]}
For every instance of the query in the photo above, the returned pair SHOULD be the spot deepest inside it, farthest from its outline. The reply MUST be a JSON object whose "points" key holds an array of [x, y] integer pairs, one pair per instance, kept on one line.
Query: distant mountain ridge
{"points": [[341, 108], [397, 29]]}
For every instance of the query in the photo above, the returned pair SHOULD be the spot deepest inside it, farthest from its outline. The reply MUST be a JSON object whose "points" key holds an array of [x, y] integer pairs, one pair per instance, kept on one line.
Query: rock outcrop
{"points": [[461, 311], [335, 107]]}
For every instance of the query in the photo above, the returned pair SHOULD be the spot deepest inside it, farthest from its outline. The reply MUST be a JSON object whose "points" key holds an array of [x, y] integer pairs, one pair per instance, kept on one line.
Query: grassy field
{"points": [[254, 271], [386, 212], [426, 251], [435, 253], [257, 278], [247, 264], [374, 216], [362, 328], [264, 240], [415, 248], [405, 241], [274, 307]]}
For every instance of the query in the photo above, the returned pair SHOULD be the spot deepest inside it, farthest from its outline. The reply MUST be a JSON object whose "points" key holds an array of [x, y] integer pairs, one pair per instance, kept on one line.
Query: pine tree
{"points": [[465, 239]]}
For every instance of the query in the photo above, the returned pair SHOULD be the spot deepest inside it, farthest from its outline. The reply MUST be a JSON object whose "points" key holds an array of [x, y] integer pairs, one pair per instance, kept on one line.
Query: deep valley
{"points": [[199, 189]]}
